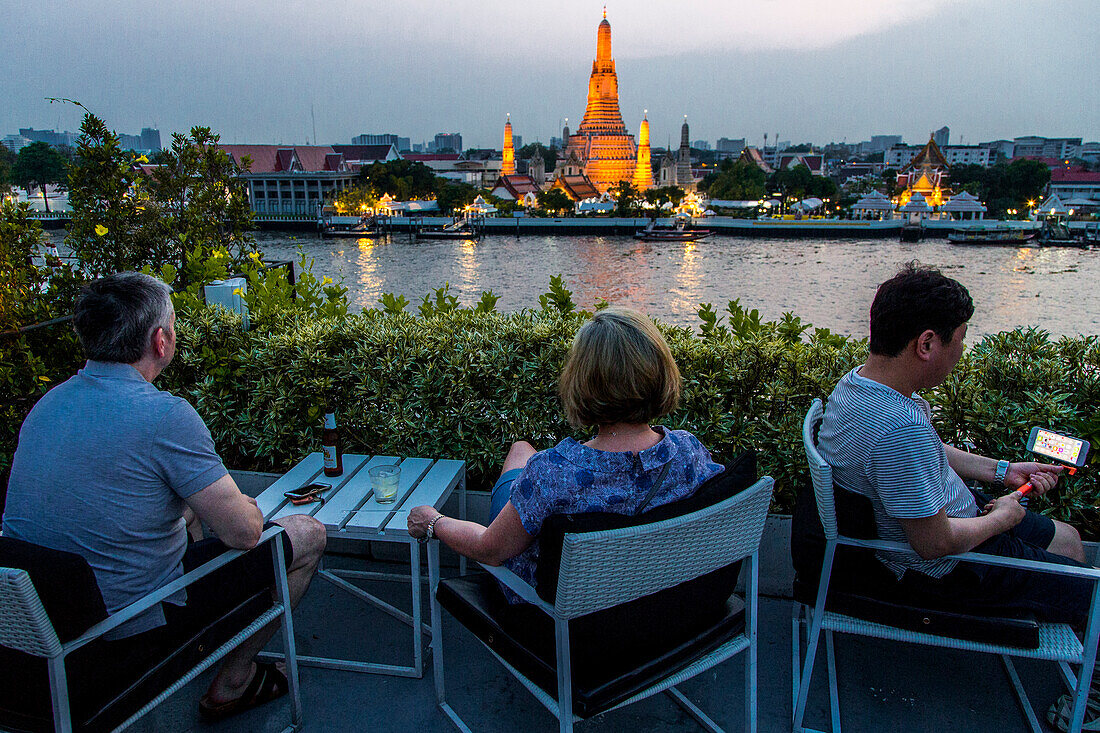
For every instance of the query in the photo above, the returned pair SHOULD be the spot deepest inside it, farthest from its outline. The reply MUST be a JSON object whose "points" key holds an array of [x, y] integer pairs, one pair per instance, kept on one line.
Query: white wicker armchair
{"points": [[601, 570], [1057, 642], [26, 627]]}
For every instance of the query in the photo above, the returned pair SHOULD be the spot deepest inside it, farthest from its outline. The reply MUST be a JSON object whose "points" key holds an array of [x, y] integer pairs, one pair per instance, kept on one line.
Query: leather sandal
{"points": [[267, 684]]}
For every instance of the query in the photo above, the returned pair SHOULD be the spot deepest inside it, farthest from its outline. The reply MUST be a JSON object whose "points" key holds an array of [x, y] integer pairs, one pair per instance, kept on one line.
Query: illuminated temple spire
{"points": [[508, 166], [602, 141], [643, 173]]}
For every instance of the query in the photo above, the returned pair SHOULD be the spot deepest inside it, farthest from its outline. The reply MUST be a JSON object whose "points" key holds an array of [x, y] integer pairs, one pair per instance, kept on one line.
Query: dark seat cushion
{"points": [[65, 583], [863, 587], [609, 663], [1021, 633], [108, 680]]}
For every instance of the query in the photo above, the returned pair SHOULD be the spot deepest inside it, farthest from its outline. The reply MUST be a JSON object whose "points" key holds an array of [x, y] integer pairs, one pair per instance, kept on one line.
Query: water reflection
{"points": [[467, 265], [829, 283], [369, 279], [687, 278]]}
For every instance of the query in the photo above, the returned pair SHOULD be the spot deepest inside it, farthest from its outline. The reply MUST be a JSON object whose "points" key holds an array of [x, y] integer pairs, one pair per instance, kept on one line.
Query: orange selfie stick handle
{"points": [[1027, 487]]}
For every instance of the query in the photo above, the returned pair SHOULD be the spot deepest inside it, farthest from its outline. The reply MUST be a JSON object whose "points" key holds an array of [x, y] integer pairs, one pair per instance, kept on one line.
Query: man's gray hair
{"points": [[116, 316]]}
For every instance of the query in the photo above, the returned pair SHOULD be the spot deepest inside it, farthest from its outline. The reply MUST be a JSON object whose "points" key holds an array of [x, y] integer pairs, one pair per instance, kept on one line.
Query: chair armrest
{"points": [[517, 585], [146, 602], [1092, 574]]}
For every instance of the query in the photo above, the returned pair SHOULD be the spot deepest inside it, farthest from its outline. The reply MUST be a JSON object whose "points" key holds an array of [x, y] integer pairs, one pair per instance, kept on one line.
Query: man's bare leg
{"points": [[307, 538], [1067, 542]]}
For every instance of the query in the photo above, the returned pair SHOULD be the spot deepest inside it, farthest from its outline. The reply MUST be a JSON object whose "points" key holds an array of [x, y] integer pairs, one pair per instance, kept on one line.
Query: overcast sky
{"points": [[809, 70]]}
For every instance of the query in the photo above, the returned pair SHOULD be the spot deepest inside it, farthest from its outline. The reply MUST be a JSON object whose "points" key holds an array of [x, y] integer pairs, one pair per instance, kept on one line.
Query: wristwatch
{"points": [[1001, 472]]}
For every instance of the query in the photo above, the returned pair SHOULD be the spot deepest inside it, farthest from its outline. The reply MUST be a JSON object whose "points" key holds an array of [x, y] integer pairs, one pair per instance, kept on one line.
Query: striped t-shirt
{"points": [[881, 444]]}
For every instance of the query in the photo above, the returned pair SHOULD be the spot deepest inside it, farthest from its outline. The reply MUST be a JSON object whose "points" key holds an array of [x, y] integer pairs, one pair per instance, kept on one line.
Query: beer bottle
{"points": [[330, 446]]}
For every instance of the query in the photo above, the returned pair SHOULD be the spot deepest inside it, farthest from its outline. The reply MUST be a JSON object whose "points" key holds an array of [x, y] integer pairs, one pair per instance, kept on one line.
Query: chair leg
{"points": [[796, 650], [1021, 694], [812, 643], [59, 695], [417, 613], [753, 597], [565, 679], [287, 626], [693, 710], [437, 623], [834, 694]]}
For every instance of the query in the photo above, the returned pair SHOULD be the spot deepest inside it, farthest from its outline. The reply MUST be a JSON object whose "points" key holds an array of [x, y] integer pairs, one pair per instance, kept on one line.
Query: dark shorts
{"points": [[213, 596], [976, 588], [502, 492]]}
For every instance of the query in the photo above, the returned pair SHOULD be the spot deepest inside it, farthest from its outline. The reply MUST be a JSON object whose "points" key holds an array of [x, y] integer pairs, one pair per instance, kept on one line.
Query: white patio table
{"points": [[350, 511]]}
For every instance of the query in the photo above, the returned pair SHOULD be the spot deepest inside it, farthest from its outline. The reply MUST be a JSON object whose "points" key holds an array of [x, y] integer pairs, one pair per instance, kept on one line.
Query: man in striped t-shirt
{"points": [[878, 437]]}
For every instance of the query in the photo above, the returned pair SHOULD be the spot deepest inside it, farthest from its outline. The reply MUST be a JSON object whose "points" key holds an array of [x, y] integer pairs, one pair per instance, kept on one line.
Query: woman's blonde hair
{"points": [[619, 369]]}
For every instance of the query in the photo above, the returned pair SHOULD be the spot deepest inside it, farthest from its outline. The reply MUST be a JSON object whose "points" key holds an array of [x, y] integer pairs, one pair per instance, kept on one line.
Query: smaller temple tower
{"points": [[643, 172], [508, 167], [684, 178], [536, 168], [667, 176]]}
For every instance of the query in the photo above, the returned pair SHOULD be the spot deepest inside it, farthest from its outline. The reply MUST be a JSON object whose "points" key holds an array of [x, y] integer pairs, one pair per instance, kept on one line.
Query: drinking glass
{"points": [[384, 480]]}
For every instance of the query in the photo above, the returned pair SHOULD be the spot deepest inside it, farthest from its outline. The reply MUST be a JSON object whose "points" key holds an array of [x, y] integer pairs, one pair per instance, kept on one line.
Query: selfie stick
{"points": [[1027, 487]]}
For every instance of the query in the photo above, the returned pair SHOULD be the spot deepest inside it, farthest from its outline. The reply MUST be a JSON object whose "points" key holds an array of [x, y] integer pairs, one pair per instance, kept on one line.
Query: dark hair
{"points": [[116, 315], [915, 300], [619, 369]]}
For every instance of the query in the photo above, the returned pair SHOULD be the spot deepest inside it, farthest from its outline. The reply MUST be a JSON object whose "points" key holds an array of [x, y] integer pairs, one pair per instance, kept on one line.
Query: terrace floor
{"points": [[883, 686]]}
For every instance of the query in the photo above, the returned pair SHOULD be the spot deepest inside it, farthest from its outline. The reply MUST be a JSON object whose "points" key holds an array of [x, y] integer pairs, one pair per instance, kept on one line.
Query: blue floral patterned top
{"points": [[572, 478]]}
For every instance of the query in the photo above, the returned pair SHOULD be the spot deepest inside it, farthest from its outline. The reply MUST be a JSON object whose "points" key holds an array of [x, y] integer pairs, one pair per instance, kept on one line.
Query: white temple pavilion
{"points": [[964, 206]]}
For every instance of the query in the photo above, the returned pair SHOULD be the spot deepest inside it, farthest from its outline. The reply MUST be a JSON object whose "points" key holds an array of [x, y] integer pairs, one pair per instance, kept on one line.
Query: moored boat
{"points": [[358, 227], [677, 233], [990, 235], [464, 228]]}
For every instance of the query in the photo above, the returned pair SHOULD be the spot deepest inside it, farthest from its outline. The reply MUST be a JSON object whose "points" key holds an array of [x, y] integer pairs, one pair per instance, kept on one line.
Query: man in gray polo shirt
{"points": [[109, 467]]}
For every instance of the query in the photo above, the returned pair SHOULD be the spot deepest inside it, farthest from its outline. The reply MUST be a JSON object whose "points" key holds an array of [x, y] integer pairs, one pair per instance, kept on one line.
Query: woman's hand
{"points": [[419, 518]]}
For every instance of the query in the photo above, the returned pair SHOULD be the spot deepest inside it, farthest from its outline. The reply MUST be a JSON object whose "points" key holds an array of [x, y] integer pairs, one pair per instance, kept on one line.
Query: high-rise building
{"points": [[726, 145], [452, 140], [942, 136], [700, 144], [50, 137], [1034, 146], [150, 139], [376, 139], [403, 145], [882, 143], [15, 143], [601, 146]]}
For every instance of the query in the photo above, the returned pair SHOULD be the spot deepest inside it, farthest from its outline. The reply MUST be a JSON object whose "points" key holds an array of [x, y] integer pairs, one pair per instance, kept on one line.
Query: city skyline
{"points": [[806, 71]]}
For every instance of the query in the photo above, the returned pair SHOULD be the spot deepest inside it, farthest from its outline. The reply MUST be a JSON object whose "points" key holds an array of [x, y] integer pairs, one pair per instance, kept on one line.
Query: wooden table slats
{"points": [[433, 489], [351, 465], [337, 509], [272, 497], [372, 516]]}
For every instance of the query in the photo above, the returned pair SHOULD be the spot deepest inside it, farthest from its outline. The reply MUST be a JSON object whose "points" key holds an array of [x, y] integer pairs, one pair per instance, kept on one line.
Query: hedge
{"points": [[465, 384]]}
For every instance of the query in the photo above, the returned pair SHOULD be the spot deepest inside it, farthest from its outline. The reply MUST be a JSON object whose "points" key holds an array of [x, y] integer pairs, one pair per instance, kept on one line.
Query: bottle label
{"points": [[330, 455]]}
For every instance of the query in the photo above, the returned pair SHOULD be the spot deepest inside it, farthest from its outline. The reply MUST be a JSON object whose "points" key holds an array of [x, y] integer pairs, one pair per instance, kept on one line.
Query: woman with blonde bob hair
{"points": [[619, 377]]}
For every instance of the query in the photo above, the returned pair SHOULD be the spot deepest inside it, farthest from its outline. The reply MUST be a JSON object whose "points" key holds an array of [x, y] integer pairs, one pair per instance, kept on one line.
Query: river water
{"points": [[829, 283]]}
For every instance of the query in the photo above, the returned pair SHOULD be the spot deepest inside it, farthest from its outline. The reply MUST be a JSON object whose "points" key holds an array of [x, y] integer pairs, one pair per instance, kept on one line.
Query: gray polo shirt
{"points": [[103, 464]]}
